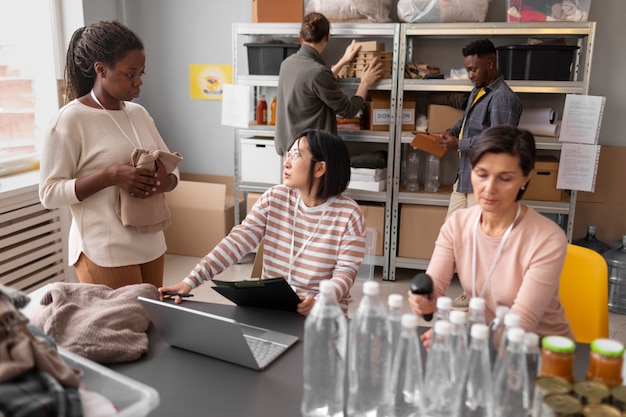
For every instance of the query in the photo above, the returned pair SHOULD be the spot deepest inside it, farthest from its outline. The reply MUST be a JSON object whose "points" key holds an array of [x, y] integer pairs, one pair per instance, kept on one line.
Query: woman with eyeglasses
{"points": [[311, 231]]}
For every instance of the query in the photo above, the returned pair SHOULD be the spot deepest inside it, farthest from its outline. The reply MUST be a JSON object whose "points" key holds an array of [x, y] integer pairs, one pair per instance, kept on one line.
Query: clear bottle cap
{"points": [[444, 303], [501, 311], [608, 347], [477, 303], [395, 300], [515, 335], [559, 344], [458, 317], [479, 331], [371, 288], [443, 327], [409, 321], [512, 320]]}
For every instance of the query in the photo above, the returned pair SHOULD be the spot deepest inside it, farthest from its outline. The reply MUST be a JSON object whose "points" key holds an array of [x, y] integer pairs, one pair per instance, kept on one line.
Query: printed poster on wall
{"points": [[206, 81]]}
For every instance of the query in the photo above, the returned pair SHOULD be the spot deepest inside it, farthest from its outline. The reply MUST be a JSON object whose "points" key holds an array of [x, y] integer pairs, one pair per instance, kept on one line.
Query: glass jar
{"points": [[605, 362], [557, 357]]}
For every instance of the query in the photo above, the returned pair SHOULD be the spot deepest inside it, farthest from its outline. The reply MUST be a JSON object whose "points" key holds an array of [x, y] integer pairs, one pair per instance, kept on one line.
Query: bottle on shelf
{"points": [[510, 382], [476, 390], [439, 388], [273, 112], [405, 383], [591, 241], [496, 328], [533, 362], [476, 313], [394, 315], [325, 345], [412, 170], [616, 262], [431, 182], [369, 354], [261, 111], [444, 306]]}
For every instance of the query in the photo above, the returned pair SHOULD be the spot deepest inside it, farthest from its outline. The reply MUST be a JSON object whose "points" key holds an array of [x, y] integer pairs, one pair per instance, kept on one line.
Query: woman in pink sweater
{"points": [[502, 250]]}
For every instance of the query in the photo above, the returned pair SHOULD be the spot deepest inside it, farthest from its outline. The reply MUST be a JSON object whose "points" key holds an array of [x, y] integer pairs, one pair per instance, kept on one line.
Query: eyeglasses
{"points": [[294, 154]]}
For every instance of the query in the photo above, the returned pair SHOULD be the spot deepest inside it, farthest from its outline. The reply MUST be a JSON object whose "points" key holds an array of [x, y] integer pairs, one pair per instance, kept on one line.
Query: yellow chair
{"points": [[584, 293]]}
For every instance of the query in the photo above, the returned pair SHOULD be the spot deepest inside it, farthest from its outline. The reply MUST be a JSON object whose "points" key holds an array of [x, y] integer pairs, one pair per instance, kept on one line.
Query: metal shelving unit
{"points": [[582, 33], [243, 32]]}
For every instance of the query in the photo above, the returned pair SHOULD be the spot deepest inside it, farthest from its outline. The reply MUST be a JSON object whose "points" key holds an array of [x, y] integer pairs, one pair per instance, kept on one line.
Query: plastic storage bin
{"points": [[536, 62], [260, 162], [132, 398], [265, 58], [547, 10]]}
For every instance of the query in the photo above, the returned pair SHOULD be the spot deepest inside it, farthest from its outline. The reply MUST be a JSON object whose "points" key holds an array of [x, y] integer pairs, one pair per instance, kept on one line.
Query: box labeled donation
{"points": [[380, 111]]}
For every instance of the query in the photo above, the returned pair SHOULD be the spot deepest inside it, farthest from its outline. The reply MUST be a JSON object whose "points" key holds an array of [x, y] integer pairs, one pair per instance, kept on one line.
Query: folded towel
{"points": [[95, 321], [147, 215]]}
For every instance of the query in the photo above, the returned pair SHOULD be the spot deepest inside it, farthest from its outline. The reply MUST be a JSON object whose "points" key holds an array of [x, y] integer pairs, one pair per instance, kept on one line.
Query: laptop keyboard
{"points": [[263, 350]]}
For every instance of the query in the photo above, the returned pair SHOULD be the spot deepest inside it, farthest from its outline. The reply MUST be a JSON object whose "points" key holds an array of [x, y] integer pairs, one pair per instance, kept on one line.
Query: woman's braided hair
{"points": [[104, 41]]}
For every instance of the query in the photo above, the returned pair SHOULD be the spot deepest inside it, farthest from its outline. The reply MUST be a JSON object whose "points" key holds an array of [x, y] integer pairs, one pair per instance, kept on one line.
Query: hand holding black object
{"points": [[422, 284]]}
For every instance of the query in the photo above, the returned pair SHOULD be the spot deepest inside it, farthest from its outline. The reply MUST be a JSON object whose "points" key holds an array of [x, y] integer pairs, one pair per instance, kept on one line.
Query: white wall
{"points": [[177, 33]]}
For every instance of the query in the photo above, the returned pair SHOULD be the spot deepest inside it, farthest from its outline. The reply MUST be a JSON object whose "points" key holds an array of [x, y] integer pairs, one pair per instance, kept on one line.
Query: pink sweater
{"points": [[526, 278]]}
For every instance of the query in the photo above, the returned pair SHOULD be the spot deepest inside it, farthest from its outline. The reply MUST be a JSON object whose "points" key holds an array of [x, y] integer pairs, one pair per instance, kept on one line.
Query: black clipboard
{"points": [[274, 293]]}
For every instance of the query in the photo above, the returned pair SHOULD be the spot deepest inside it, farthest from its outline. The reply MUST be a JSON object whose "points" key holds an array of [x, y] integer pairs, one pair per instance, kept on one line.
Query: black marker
{"points": [[178, 294]]}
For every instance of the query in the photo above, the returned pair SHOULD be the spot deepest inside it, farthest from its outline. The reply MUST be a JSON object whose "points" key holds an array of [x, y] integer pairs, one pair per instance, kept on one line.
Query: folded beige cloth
{"points": [[21, 351], [95, 321], [147, 215]]}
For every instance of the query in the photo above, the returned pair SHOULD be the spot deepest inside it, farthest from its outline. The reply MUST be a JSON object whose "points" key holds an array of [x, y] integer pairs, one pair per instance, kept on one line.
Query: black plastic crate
{"points": [[265, 58], [536, 62]]}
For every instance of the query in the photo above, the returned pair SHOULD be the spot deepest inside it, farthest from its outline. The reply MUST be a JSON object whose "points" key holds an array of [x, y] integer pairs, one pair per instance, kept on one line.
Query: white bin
{"points": [[259, 161]]}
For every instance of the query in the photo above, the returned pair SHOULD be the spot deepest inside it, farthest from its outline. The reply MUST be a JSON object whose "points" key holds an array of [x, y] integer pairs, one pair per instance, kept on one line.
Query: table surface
{"points": [[193, 384]]}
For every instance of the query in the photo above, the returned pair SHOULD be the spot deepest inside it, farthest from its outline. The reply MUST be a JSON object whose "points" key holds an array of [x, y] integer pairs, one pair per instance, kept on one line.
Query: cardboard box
{"points": [[272, 11], [375, 219], [379, 111], [419, 228], [203, 213], [369, 46], [442, 118], [542, 186], [252, 198], [260, 162]]}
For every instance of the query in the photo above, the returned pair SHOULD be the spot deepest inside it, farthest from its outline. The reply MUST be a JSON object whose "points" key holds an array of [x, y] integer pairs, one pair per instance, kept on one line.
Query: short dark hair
{"points": [[315, 27], [480, 48], [103, 41], [509, 140], [325, 146]]}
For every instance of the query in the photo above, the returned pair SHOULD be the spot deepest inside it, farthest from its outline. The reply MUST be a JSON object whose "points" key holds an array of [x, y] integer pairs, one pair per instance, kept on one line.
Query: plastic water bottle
{"points": [[405, 383], [458, 343], [533, 363], [431, 183], [476, 389], [444, 306], [369, 355], [511, 320], [394, 315], [325, 348], [496, 328], [439, 389], [412, 170], [476, 313], [511, 380]]}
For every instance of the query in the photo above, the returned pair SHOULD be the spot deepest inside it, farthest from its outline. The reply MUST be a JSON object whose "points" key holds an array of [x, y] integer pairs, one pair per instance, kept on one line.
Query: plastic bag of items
{"points": [[355, 11], [442, 11]]}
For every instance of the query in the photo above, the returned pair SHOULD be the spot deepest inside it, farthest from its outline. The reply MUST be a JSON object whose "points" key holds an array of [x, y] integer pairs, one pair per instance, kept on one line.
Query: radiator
{"points": [[31, 244]]}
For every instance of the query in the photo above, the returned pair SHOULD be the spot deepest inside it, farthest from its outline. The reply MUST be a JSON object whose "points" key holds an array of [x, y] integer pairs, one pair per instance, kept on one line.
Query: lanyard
{"points": [[138, 145], [293, 256], [498, 252]]}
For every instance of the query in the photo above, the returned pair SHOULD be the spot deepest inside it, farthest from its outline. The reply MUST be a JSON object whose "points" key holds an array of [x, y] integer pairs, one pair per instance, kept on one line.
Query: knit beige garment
{"points": [[96, 322], [147, 215]]}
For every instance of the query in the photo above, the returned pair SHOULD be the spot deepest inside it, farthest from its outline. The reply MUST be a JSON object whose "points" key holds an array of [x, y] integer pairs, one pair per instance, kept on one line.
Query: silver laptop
{"points": [[216, 336]]}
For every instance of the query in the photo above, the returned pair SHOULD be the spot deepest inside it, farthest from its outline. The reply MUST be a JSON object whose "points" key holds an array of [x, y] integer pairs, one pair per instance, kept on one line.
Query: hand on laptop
{"points": [[306, 304], [181, 287]]}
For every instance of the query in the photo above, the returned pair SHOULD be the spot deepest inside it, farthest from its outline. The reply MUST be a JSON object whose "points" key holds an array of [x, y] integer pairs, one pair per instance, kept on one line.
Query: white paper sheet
{"points": [[578, 167], [582, 117], [236, 105]]}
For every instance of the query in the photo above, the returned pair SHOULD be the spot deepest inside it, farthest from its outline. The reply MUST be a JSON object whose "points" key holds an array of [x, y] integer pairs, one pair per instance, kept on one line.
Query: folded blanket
{"points": [[95, 321], [147, 215]]}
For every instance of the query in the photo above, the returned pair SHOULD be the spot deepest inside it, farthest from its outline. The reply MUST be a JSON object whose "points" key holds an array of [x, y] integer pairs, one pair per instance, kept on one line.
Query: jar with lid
{"points": [[561, 405], [557, 357], [545, 386], [605, 362], [616, 261], [261, 111], [591, 392]]}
